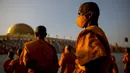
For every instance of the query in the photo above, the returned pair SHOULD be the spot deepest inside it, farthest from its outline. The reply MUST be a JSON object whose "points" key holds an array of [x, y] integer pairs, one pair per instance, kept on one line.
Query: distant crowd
{"points": [[11, 45], [14, 44]]}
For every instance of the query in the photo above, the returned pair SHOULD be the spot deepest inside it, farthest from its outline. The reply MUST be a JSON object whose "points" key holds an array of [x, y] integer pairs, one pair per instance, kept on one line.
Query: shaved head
{"points": [[89, 7]]}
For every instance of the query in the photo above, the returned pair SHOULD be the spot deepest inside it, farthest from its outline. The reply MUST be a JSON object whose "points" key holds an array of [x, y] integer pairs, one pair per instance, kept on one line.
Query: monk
{"points": [[39, 56], [15, 67], [79, 68], [126, 61], [113, 66], [67, 60], [92, 47], [6, 63]]}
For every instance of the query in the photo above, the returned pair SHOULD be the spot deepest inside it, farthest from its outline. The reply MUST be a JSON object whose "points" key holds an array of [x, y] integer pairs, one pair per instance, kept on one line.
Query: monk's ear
{"points": [[90, 14], [36, 34], [45, 34]]}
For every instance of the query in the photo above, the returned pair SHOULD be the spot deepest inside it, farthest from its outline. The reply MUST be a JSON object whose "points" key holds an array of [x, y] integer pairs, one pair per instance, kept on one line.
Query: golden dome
{"points": [[21, 29]]}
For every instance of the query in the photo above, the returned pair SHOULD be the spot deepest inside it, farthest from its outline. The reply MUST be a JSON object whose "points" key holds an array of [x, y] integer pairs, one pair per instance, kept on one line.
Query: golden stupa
{"points": [[20, 29]]}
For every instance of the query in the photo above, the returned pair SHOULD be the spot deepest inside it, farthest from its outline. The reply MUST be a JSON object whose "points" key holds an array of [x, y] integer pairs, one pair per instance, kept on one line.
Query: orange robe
{"points": [[126, 62], [79, 68], [6, 65], [67, 62], [15, 67], [38, 55], [113, 67], [92, 45]]}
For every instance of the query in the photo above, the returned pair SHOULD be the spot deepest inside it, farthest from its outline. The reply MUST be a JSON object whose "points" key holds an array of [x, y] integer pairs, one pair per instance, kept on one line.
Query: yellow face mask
{"points": [[81, 21]]}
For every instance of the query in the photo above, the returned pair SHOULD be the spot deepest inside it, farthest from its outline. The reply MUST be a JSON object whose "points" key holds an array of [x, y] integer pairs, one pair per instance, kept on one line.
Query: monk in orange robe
{"points": [[15, 67], [38, 55], [92, 47], [126, 61], [113, 66], [67, 60], [6, 63], [79, 68]]}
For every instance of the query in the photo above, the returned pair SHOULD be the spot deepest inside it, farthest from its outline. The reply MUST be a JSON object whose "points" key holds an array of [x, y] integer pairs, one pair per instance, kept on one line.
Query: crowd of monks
{"points": [[93, 53], [67, 63]]}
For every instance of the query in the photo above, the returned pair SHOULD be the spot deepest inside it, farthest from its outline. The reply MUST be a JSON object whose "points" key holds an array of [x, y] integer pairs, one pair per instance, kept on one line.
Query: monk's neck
{"points": [[40, 38], [93, 23]]}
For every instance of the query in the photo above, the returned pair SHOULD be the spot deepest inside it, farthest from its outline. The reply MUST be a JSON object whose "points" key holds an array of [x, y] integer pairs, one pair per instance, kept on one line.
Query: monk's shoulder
{"points": [[31, 43], [14, 60], [51, 46], [70, 54], [66, 54]]}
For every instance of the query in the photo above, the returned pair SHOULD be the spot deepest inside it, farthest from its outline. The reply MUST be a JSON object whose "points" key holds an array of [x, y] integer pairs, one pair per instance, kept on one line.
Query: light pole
{"points": [[70, 37], [48, 35], [56, 36], [126, 42], [64, 37]]}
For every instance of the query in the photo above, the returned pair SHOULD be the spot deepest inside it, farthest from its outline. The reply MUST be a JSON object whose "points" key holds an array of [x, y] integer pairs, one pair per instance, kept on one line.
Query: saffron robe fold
{"points": [[89, 46], [42, 53], [67, 62], [15, 67]]}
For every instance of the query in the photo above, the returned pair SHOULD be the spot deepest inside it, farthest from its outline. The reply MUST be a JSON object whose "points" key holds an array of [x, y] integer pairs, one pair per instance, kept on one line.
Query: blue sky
{"points": [[59, 17]]}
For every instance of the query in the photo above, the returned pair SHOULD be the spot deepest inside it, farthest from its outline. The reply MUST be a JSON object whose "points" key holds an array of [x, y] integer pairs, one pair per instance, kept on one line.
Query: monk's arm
{"points": [[11, 67], [89, 48], [24, 56], [61, 63]]}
